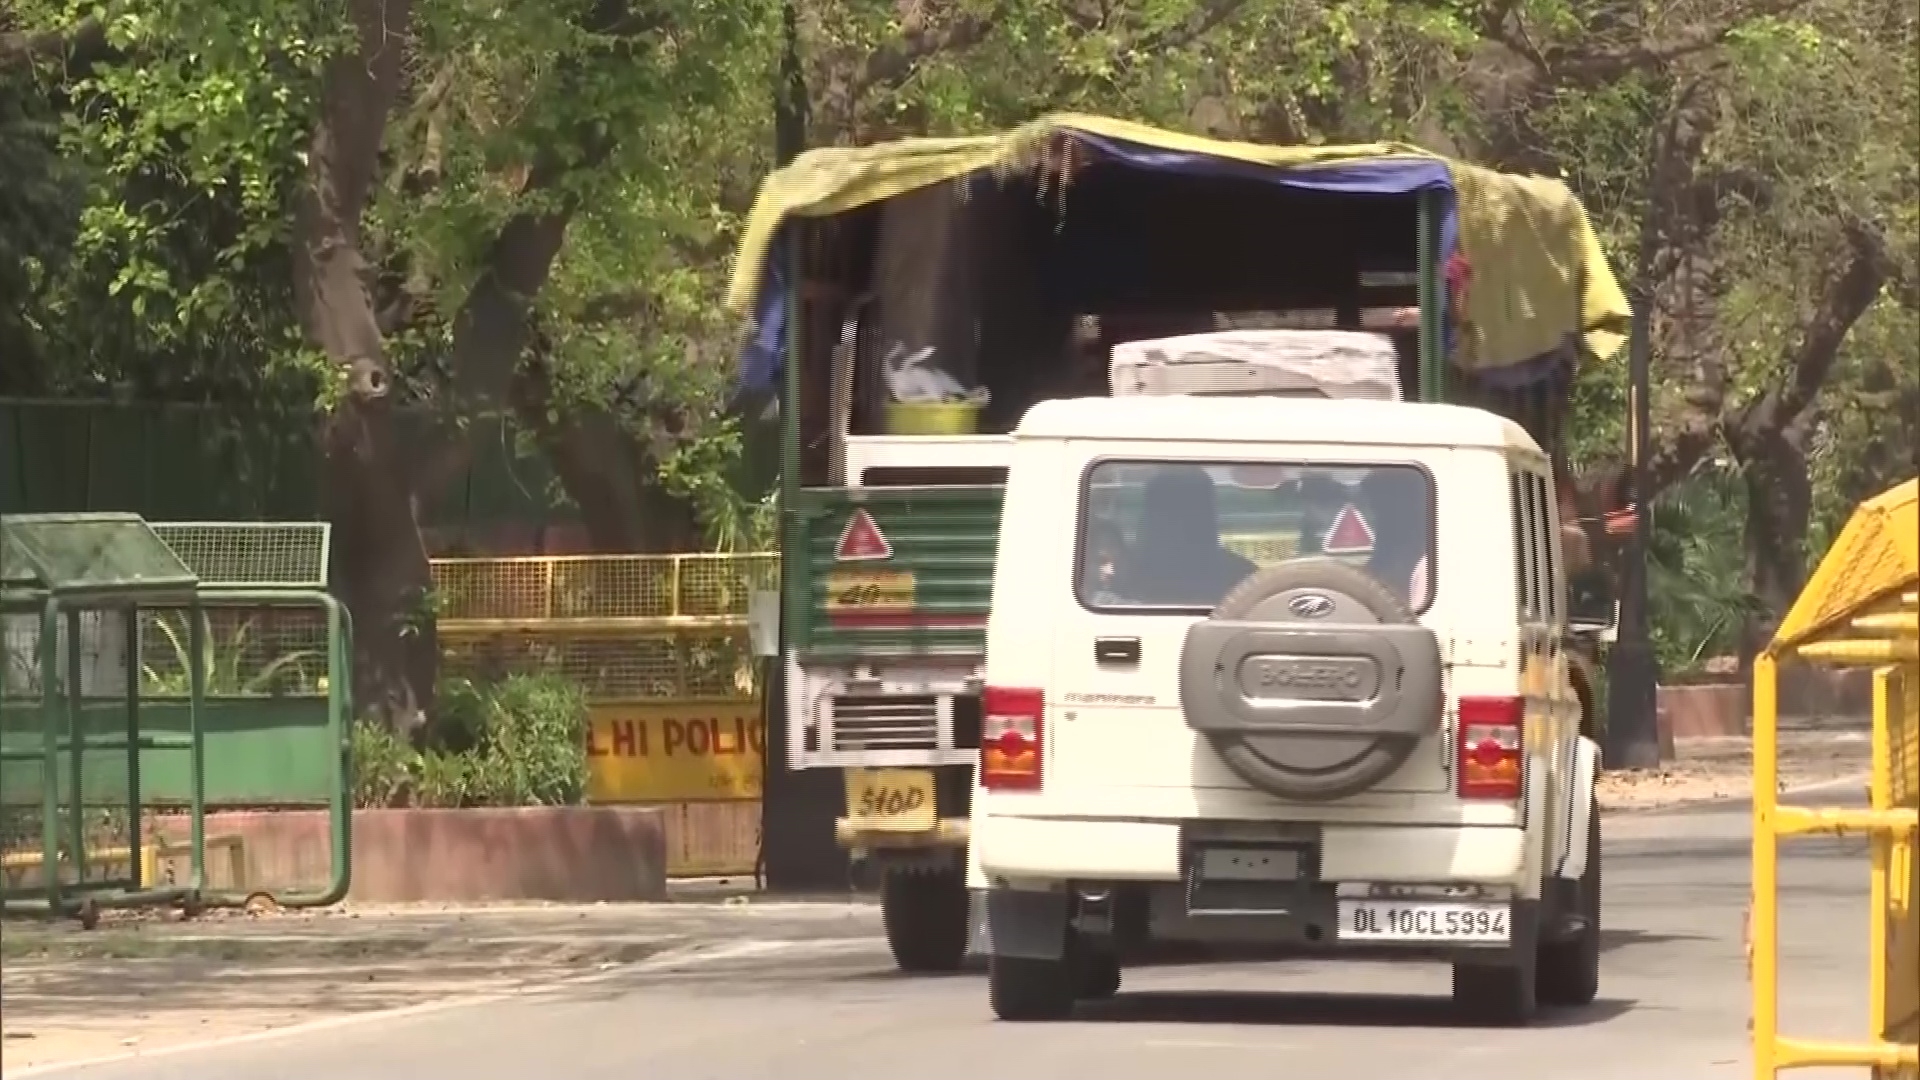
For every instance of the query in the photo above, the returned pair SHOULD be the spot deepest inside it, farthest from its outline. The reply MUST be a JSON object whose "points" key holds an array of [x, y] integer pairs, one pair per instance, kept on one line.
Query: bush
{"points": [[535, 736], [518, 742], [383, 766]]}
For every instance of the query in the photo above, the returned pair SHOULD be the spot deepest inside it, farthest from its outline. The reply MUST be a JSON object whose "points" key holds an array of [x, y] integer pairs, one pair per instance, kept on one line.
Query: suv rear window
{"points": [[1179, 535]]}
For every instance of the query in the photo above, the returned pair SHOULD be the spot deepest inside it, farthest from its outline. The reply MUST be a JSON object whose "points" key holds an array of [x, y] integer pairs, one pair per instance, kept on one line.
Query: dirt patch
{"points": [[1711, 769], [137, 985], [144, 981]]}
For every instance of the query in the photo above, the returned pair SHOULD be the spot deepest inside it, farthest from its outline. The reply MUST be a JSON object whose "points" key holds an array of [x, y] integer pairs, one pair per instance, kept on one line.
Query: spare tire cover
{"points": [[1311, 680]]}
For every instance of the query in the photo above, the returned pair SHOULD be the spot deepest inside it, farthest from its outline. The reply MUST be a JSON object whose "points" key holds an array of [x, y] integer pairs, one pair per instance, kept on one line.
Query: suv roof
{"points": [[1254, 419]]}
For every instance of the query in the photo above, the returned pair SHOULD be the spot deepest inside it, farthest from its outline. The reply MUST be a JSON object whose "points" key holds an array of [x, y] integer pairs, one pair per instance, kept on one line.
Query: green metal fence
{"points": [[228, 685]]}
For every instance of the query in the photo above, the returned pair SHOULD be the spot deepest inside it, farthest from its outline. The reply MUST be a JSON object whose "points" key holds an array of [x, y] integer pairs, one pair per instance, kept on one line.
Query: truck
{"points": [[908, 301]]}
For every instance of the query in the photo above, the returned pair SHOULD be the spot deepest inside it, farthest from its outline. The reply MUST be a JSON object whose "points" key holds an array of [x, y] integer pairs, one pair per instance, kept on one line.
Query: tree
{"points": [[373, 202]]}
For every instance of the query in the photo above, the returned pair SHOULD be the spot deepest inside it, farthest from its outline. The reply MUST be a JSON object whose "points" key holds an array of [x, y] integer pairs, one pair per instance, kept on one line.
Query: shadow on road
{"points": [[1619, 939], [1323, 1010]]}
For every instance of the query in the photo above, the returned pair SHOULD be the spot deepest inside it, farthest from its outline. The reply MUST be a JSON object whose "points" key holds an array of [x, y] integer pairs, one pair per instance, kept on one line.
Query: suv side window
{"points": [[1524, 591], [1537, 546], [1550, 551]]}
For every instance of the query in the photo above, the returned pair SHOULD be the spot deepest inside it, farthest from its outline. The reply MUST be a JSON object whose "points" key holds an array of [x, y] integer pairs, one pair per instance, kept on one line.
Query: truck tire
{"points": [[925, 915], [1570, 969], [1357, 676], [1023, 989]]}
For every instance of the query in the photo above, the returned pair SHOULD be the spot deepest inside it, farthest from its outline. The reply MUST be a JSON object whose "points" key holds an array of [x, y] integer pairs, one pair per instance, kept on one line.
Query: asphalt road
{"points": [[1675, 1004]]}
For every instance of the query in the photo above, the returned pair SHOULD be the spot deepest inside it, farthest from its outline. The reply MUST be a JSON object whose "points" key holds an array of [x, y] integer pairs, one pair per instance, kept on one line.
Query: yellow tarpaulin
{"points": [[1526, 239]]}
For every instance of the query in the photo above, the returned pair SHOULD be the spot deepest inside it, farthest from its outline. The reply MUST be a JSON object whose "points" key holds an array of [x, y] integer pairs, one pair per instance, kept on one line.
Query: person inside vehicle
{"points": [[1177, 559], [1395, 499], [1106, 548]]}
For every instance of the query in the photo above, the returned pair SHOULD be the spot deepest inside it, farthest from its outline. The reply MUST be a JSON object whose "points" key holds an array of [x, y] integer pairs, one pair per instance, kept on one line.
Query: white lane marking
{"points": [[669, 960]]}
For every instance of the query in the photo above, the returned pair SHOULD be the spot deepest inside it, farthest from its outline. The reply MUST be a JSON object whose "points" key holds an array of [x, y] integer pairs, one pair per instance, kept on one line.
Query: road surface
{"points": [[1674, 1004]]}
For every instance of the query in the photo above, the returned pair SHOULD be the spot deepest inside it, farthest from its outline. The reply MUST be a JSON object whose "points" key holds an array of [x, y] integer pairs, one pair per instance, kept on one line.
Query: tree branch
{"points": [[79, 46], [1848, 296], [1212, 14], [890, 66], [1573, 65]]}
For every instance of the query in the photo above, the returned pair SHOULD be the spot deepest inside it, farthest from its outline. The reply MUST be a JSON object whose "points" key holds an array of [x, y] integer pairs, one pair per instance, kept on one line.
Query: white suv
{"points": [[1282, 674]]}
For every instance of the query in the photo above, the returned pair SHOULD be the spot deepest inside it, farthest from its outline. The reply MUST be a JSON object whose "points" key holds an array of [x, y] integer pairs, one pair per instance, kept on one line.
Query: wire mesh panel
{"points": [[252, 554], [625, 627], [249, 651], [634, 587]]}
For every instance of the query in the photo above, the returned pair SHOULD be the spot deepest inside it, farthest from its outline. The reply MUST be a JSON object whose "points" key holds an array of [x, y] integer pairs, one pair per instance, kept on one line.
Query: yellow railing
{"points": [[659, 643], [626, 627], [1861, 607]]}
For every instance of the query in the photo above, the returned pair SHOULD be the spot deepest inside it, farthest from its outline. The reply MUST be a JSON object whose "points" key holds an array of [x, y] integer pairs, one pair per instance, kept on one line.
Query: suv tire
{"points": [[1099, 974], [1021, 988], [925, 916], [1503, 992], [1570, 969]]}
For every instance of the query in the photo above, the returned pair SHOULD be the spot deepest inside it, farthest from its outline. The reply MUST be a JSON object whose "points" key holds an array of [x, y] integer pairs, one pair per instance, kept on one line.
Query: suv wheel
{"points": [[1099, 974], [925, 915], [1503, 992], [1570, 968], [1021, 988]]}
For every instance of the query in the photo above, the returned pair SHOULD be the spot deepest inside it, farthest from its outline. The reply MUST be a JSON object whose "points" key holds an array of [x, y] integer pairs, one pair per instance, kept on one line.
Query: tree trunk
{"points": [[380, 564], [1779, 509], [380, 567], [608, 473]]}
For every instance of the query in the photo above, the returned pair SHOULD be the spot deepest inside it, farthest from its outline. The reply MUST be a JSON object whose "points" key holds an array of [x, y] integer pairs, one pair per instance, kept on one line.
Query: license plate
{"points": [[1249, 864], [1426, 921], [892, 800]]}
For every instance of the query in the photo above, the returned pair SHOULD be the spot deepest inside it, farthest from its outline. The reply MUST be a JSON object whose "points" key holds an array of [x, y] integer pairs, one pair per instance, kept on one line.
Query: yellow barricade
{"points": [[674, 751], [659, 643], [1861, 607]]}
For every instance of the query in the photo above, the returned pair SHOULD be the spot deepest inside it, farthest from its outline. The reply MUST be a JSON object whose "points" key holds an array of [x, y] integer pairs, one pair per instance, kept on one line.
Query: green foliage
{"points": [[518, 742], [231, 665], [146, 201], [1696, 589], [384, 765]]}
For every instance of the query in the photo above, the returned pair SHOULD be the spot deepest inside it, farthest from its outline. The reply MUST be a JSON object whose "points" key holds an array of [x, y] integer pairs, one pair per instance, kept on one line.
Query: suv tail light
{"points": [[1010, 748], [1490, 747]]}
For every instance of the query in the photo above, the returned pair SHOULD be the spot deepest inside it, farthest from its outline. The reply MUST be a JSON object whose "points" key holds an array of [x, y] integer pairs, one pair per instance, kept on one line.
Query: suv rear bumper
{"points": [[1030, 852]]}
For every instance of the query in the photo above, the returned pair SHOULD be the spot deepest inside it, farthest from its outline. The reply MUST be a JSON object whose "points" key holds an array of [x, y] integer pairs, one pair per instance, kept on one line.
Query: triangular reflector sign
{"points": [[1348, 535], [862, 540]]}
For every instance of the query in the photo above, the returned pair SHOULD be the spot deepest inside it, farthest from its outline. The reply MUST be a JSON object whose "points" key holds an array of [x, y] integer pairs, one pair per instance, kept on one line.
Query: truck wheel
{"points": [[925, 914], [1570, 969], [1021, 988]]}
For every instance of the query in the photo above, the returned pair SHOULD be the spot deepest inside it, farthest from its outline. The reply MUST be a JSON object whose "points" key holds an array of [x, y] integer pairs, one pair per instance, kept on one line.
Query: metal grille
{"points": [[601, 586], [886, 723], [625, 627], [611, 667], [251, 554], [249, 651], [106, 828]]}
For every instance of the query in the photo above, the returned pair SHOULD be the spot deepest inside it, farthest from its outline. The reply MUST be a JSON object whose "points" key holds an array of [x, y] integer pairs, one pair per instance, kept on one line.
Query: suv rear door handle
{"points": [[1116, 651]]}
